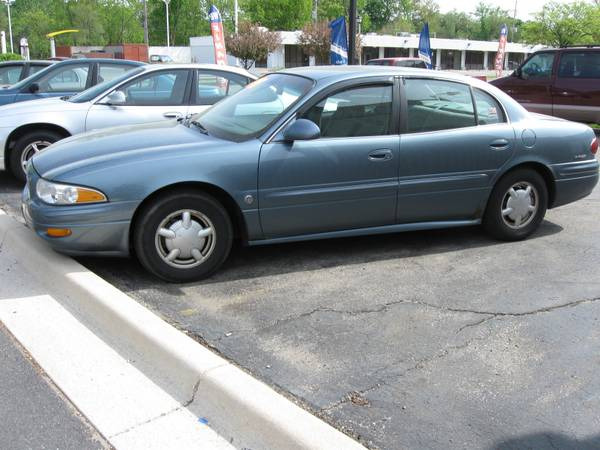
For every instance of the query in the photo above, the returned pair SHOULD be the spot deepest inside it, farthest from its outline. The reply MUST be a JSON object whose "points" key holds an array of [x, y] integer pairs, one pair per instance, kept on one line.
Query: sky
{"points": [[524, 7]]}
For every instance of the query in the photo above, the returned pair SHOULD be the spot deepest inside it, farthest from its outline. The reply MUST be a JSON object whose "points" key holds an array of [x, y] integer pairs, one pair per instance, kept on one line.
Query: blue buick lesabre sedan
{"points": [[309, 153]]}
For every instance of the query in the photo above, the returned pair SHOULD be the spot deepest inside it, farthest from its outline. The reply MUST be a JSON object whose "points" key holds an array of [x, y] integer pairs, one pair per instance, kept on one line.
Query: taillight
{"points": [[594, 146]]}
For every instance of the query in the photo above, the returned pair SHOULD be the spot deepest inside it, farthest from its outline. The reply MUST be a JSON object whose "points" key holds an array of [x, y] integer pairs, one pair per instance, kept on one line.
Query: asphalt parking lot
{"points": [[440, 339]]}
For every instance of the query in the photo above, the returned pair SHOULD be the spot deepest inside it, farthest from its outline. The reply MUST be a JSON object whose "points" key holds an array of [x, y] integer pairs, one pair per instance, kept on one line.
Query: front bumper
{"points": [[100, 229], [574, 181]]}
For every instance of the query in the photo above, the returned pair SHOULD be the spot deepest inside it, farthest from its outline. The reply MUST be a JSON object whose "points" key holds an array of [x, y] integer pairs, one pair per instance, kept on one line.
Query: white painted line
{"points": [[240, 408], [125, 406]]}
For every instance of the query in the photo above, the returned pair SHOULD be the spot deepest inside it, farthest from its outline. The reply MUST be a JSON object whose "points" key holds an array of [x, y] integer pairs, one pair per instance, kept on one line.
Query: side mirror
{"points": [[302, 130], [115, 98], [34, 87]]}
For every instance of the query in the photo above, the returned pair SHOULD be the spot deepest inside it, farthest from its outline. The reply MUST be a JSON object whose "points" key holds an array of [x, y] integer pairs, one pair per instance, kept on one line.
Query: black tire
{"points": [[499, 226], [22, 143], [206, 213]]}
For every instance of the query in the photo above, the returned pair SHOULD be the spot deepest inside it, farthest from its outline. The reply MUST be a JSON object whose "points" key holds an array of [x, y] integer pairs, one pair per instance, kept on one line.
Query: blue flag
{"points": [[424, 46], [339, 42]]}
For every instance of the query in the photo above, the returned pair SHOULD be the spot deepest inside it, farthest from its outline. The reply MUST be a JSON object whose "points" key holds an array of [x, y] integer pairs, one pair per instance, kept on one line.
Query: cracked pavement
{"points": [[439, 339]]}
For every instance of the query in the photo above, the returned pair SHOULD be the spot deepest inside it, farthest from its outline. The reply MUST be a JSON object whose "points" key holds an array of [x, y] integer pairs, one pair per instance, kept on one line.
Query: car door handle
{"points": [[173, 115], [382, 154], [499, 144]]}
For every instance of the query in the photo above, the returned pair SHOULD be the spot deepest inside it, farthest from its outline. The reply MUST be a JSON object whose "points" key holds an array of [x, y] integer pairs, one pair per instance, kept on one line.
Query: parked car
{"points": [[65, 78], [145, 94], [309, 153], [562, 82], [160, 59], [399, 62], [12, 72]]}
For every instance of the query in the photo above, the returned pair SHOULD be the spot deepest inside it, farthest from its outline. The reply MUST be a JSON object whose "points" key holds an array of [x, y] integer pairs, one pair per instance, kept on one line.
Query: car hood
{"points": [[119, 145], [42, 105]]}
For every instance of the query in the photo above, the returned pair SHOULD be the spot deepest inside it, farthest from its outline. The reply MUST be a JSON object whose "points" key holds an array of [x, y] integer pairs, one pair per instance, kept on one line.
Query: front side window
{"points": [[10, 74], [162, 88], [579, 65], [213, 87], [488, 108], [70, 78], [35, 68], [250, 112], [538, 67], [363, 111], [438, 105]]}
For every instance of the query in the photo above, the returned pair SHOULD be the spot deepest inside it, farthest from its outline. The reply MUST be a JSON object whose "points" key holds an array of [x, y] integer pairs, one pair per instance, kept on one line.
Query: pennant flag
{"points": [[499, 62], [216, 28], [424, 46], [339, 42]]}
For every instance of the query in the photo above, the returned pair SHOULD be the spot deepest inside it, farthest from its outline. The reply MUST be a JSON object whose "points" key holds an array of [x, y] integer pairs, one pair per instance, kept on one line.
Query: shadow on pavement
{"points": [[542, 441], [252, 262]]}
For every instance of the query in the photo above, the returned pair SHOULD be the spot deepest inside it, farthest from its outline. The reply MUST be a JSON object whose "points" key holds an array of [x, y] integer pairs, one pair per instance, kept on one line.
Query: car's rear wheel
{"points": [[27, 146], [517, 205], [183, 237]]}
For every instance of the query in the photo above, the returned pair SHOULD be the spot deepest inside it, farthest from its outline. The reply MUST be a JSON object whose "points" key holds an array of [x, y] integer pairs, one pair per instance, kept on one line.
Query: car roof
{"points": [[334, 73], [23, 62], [234, 69], [104, 60]]}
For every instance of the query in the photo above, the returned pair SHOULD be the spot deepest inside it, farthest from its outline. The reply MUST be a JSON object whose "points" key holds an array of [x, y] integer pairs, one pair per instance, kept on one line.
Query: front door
{"points": [[346, 179], [532, 85], [60, 81], [449, 151], [151, 97]]}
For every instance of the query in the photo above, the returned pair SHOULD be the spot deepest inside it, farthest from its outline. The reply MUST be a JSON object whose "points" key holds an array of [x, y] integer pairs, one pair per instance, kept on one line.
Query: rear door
{"points": [[532, 86], [211, 86], [449, 150], [150, 97], [576, 91], [347, 178]]}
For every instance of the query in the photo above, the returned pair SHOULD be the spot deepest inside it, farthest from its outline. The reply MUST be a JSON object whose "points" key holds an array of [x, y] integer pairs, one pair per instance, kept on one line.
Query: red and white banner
{"points": [[216, 28], [499, 62]]}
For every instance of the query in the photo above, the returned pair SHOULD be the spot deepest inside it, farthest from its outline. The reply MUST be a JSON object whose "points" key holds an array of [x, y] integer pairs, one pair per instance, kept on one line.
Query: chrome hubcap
{"points": [[519, 205], [32, 149], [185, 238]]}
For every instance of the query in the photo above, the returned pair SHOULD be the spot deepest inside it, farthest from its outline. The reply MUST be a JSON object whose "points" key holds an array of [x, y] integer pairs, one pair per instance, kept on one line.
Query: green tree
{"points": [[563, 24], [278, 15], [251, 44]]}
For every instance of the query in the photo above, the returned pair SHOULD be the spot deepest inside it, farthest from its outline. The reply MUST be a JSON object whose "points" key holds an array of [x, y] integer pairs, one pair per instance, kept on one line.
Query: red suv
{"points": [[562, 82]]}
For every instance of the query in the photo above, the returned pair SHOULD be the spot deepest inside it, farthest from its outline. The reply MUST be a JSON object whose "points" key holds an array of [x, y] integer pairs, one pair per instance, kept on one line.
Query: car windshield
{"points": [[95, 91], [253, 109]]}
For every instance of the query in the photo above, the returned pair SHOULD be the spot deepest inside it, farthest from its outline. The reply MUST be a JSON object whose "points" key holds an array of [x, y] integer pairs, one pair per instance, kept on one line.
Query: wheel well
{"points": [[544, 172], [17, 133], [233, 210]]}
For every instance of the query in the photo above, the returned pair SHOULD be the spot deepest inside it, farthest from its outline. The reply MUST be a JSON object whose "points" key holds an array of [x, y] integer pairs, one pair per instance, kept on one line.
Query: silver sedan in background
{"points": [[146, 94]]}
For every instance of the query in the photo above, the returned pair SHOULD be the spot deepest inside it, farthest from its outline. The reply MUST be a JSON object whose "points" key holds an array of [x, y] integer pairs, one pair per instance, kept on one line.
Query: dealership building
{"points": [[448, 54]]}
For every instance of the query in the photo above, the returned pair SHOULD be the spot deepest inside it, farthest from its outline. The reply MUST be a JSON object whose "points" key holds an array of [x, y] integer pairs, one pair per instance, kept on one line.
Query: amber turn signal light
{"points": [[58, 232]]}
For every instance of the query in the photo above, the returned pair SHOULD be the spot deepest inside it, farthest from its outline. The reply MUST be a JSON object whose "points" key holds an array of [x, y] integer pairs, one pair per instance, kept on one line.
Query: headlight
{"points": [[64, 194]]}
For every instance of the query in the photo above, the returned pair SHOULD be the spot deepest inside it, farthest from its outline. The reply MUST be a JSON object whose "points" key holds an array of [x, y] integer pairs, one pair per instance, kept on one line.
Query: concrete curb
{"points": [[242, 409]]}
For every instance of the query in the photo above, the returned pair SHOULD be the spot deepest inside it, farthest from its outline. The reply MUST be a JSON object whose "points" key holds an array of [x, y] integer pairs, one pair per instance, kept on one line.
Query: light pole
{"points": [[8, 3], [168, 32]]}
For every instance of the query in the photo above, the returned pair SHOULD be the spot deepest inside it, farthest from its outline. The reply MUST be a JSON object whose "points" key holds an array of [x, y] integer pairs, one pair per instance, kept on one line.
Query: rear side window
{"points": [[438, 105], [579, 65], [364, 111], [488, 109], [35, 68], [211, 87]]}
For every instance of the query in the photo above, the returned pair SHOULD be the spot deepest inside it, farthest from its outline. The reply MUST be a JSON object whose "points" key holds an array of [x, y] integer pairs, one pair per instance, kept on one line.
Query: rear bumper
{"points": [[574, 181]]}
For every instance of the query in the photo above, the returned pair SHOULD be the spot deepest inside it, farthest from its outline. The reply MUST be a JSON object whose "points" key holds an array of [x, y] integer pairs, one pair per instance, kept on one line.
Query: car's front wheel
{"points": [[182, 237], [517, 205], [28, 145]]}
